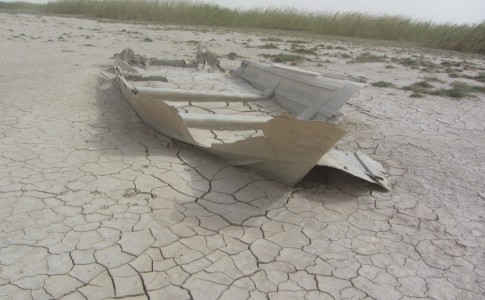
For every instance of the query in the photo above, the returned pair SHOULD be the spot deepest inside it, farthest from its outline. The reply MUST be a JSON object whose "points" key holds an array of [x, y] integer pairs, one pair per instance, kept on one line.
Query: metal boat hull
{"points": [[283, 146]]}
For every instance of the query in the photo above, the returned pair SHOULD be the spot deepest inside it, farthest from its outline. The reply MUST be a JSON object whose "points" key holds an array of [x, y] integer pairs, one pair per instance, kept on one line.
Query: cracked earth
{"points": [[95, 205]]}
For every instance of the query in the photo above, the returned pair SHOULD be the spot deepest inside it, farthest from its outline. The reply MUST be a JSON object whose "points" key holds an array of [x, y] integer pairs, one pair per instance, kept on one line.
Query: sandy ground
{"points": [[93, 204]]}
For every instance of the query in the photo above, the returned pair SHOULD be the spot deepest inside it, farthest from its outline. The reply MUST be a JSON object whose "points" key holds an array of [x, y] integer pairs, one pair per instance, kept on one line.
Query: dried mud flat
{"points": [[95, 205]]}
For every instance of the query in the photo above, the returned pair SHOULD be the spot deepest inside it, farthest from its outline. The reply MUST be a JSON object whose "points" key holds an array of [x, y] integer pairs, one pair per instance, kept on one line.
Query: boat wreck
{"points": [[274, 119]]}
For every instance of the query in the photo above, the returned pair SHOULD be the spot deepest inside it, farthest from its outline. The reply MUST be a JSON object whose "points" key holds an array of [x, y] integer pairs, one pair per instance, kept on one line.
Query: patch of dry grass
{"points": [[466, 38]]}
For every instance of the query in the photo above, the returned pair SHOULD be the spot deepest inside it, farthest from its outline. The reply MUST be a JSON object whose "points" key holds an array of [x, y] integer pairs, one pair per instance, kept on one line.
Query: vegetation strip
{"points": [[465, 38]]}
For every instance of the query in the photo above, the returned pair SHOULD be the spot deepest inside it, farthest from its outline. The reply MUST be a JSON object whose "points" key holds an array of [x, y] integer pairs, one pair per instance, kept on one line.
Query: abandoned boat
{"points": [[274, 119]]}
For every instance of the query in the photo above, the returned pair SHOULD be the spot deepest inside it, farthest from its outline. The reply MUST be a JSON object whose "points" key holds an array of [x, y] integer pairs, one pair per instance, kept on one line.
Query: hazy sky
{"points": [[456, 11]]}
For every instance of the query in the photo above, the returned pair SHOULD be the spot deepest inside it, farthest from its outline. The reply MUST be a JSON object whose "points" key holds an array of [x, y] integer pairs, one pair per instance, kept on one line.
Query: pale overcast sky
{"points": [[455, 11]]}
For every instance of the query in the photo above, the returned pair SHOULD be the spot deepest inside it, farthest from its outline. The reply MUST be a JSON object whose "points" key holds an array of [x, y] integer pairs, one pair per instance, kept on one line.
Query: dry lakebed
{"points": [[96, 205]]}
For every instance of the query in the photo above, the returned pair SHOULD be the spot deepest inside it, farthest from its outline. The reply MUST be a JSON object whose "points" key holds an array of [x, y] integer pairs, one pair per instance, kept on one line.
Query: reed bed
{"points": [[465, 38], [19, 5]]}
